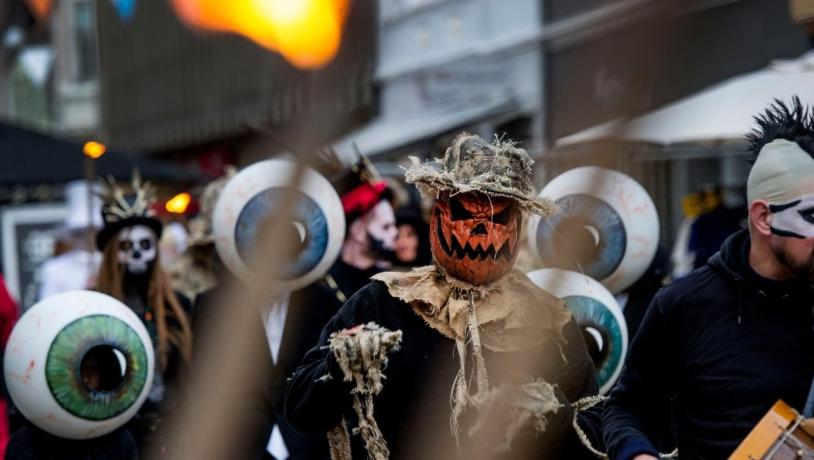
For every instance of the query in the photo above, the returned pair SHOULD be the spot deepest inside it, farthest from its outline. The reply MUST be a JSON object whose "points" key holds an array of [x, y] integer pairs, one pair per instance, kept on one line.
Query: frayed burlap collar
{"points": [[512, 313]]}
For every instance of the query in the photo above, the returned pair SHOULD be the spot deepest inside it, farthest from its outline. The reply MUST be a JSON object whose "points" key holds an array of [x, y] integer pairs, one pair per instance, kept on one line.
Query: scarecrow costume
{"points": [[466, 356]]}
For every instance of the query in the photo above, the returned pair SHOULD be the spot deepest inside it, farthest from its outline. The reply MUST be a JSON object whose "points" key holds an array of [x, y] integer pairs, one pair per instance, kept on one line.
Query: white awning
{"points": [[723, 112], [384, 134]]}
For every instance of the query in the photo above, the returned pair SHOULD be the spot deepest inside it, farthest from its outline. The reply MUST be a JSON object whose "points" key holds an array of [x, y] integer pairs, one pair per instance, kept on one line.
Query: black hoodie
{"points": [[727, 343]]}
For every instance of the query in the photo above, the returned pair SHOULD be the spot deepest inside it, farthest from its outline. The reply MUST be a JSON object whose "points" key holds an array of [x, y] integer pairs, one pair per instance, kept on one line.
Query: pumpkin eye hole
{"points": [[458, 210], [504, 216]]}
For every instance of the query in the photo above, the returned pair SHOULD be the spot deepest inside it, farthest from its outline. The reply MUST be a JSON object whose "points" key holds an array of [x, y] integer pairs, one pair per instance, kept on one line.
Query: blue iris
{"points": [[591, 313], [306, 213], [564, 240]]}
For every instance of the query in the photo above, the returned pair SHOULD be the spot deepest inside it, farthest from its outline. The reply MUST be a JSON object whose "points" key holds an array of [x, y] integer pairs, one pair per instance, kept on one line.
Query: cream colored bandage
{"points": [[782, 173]]}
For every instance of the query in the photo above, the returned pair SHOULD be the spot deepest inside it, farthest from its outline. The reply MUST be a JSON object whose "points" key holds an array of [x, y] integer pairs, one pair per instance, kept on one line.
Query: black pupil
{"points": [[807, 215], [597, 351], [145, 244], [125, 245], [103, 368]]}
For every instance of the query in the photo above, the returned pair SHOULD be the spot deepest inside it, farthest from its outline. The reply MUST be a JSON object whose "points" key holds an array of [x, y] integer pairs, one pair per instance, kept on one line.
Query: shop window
{"points": [[85, 40]]}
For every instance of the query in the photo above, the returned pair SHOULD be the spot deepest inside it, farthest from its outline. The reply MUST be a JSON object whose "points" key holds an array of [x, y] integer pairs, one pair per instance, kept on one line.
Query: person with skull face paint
{"points": [[497, 357], [734, 336], [131, 272]]}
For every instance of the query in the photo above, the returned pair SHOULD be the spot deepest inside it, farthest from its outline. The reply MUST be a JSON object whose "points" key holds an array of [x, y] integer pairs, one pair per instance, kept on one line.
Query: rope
{"points": [[585, 404]]}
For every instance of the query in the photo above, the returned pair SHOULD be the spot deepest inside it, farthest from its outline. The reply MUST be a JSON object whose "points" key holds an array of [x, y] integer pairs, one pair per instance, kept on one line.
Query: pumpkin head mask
{"points": [[475, 236]]}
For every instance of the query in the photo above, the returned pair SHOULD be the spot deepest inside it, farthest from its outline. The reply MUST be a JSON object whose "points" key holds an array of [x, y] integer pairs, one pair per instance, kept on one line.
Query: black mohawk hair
{"points": [[793, 122]]}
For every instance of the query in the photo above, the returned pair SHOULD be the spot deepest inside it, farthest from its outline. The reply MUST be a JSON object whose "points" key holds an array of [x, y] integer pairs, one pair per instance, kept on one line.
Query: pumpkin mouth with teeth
{"points": [[475, 237]]}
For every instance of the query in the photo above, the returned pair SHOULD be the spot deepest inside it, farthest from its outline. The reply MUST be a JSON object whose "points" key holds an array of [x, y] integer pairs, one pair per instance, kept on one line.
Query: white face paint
{"points": [[137, 248], [381, 224], [794, 219]]}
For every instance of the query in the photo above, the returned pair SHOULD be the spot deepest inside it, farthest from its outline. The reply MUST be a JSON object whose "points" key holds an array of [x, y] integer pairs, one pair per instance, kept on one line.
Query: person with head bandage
{"points": [[731, 338]]}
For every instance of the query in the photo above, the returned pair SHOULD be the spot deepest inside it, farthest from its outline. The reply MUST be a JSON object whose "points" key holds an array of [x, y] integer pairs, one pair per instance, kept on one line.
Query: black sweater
{"points": [[413, 409], [727, 343], [31, 443]]}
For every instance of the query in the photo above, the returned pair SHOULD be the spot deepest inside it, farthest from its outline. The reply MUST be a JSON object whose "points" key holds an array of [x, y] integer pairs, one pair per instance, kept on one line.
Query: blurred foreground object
{"points": [[223, 86], [195, 270], [306, 32]]}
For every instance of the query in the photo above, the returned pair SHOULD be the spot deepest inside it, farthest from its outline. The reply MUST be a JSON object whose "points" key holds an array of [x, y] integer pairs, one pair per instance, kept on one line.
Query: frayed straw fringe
{"points": [[431, 181], [362, 354], [460, 396], [339, 442]]}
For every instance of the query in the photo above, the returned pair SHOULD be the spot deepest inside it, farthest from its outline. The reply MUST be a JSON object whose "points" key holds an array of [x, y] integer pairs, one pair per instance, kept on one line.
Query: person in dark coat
{"points": [[487, 360], [734, 336]]}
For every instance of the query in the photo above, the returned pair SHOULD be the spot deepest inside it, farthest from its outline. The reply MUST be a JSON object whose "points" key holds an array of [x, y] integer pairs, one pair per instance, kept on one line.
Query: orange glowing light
{"points": [[39, 8], [178, 204], [94, 149], [306, 32]]}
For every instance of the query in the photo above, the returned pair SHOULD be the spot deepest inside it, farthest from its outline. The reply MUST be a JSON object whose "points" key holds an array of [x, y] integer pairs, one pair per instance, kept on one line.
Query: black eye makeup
{"points": [[807, 215]]}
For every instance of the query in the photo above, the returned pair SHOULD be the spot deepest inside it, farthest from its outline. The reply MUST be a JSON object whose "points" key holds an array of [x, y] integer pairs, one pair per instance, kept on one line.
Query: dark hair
{"points": [[792, 122]]}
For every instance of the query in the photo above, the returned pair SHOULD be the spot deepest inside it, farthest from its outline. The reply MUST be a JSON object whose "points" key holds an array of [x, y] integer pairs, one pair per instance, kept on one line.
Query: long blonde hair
{"points": [[160, 295]]}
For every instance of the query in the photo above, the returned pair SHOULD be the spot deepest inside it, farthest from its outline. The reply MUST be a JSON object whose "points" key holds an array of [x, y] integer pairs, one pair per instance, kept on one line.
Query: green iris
{"points": [[96, 367]]}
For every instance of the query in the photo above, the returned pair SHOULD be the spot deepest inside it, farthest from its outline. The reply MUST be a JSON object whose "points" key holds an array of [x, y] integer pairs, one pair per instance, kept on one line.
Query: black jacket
{"points": [[258, 405], [31, 443], [727, 343], [414, 408]]}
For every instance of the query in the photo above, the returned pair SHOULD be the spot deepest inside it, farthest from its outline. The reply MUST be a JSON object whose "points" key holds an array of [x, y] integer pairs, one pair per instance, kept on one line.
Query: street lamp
{"points": [[93, 149], [178, 204]]}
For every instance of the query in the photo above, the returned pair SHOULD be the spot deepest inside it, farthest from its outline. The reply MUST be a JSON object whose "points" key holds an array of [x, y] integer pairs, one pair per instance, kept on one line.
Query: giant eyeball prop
{"points": [[79, 364], [607, 227], [598, 315], [252, 196]]}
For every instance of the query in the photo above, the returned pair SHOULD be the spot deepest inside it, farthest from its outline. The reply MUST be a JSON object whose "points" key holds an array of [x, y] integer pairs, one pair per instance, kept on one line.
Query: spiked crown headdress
{"points": [[121, 209]]}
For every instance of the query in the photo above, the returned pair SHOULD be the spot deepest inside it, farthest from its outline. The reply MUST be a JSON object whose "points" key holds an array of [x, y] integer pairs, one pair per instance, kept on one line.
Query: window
{"points": [[85, 40]]}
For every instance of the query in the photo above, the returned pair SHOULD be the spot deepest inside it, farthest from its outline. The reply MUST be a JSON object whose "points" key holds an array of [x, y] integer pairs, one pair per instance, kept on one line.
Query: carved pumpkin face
{"points": [[474, 237]]}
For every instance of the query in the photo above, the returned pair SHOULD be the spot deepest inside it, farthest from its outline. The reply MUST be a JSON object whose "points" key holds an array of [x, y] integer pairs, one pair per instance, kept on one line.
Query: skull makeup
{"points": [[137, 249], [794, 219], [475, 237]]}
